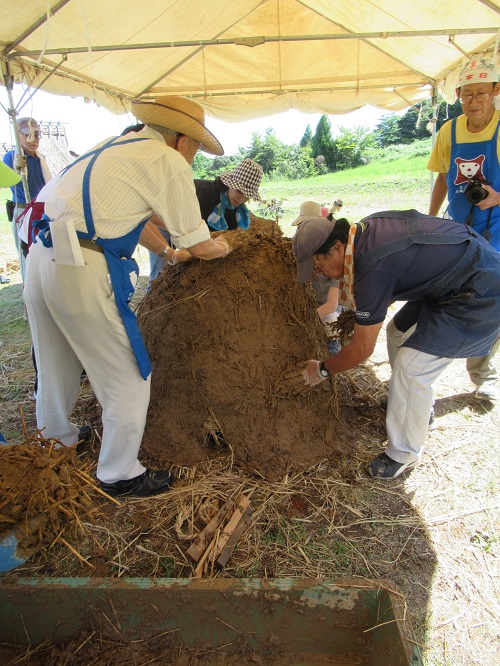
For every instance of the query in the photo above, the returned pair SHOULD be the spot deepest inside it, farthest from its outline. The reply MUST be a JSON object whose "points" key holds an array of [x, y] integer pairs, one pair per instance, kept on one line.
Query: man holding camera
{"points": [[467, 158]]}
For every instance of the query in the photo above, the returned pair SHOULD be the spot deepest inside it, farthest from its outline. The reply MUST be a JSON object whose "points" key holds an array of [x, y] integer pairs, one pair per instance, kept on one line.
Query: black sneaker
{"points": [[384, 467], [84, 437], [150, 482]]}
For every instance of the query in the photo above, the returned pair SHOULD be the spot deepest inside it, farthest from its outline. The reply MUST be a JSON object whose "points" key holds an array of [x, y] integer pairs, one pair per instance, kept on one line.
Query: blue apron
{"points": [[459, 317], [484, 153], [118, 253]]}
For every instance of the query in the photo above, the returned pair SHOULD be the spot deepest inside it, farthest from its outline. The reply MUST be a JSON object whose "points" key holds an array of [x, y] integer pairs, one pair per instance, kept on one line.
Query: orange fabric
{"points": [[346, 285]]}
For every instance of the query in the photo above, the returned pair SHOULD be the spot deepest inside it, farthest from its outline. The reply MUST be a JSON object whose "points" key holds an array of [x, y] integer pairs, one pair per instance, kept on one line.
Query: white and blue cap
{"points": [[310, 236]]}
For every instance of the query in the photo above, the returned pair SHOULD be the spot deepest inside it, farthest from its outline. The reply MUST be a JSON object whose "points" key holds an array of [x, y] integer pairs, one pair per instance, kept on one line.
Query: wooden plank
{"points": [[235, 537], [242, 503], [199, 545]]}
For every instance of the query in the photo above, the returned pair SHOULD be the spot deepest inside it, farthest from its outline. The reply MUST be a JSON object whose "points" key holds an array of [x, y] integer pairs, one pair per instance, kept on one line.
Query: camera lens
{"points": [[474, 193]]}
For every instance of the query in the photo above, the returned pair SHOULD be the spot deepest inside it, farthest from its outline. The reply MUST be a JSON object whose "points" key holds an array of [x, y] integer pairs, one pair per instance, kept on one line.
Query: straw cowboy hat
{"points": [[307, 209], [245, 178], [181, 115]]}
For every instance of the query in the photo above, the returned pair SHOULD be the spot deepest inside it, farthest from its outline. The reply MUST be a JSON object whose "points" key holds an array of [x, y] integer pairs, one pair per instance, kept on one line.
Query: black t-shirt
{"points": [[406, 275], [209, 193]]}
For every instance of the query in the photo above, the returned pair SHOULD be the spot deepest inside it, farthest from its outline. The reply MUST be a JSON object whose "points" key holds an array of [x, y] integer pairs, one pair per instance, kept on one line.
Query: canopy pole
{"points": [[433, 134], [9, 83]]}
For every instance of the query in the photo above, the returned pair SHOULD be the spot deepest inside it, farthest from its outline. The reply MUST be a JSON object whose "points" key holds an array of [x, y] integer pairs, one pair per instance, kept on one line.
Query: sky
{"points": [[86, 124]]}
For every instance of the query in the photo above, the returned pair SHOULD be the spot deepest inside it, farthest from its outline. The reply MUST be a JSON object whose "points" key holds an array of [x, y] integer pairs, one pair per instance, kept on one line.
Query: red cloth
{"points": [[33, 212]]}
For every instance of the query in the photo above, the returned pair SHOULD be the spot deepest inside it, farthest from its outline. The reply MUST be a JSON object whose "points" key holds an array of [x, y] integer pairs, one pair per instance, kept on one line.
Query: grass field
{"points": [[436, 533]]}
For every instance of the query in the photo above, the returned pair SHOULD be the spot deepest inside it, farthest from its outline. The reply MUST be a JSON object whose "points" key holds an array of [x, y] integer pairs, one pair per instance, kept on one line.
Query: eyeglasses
{"points": [[37, 135], [481, 97]]}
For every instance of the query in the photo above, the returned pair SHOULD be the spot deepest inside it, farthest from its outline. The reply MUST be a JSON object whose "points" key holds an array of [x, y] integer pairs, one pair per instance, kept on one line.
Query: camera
{"points": [[474, 192]]}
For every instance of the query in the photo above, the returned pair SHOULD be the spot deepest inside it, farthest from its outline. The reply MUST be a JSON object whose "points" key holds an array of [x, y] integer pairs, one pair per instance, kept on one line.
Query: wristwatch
{"points": [[163, 254], [323, 370]]}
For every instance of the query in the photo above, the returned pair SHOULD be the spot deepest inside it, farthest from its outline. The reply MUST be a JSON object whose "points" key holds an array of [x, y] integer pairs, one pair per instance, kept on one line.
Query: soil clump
{"points": [[222, 336]]}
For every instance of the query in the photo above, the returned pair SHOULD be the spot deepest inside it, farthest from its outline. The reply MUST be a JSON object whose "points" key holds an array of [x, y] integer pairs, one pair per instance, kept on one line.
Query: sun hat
{"points": [[27, 125], [307, 209], [8, 177], [181, 115], [310, 236], [245, 178], [477, 71]]}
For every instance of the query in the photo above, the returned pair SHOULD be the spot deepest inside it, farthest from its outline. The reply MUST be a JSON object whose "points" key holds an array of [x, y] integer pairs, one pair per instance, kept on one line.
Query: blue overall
{"points": [[118, 253], [459, 316], [459, 208]]}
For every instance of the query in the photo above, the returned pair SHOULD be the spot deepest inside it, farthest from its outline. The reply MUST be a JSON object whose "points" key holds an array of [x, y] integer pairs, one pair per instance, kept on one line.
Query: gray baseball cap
{"points": [[310, 236]]}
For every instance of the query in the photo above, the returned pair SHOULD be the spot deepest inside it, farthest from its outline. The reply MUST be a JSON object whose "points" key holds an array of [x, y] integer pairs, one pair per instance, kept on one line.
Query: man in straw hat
{"points": [[468, 147], [449, 276], [81, 276]]}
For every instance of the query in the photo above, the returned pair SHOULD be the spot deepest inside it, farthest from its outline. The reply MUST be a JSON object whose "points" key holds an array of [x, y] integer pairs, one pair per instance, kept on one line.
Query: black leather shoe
{"points": [[84, 437], [150, 482]]}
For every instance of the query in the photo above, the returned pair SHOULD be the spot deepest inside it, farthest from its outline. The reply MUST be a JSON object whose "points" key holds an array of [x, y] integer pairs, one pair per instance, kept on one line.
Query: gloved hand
{"points": [[181, 256], [224, 243], [311, 373], [20, 163], [299, 380]]}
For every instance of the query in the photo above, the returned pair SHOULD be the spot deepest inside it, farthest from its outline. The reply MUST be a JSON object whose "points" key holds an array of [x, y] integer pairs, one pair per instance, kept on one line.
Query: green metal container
{"points": [[305, 621]]}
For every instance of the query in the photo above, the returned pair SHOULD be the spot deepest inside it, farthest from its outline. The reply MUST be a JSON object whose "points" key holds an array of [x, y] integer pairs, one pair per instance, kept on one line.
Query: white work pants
{"points": [[75, 323], [481, 369], [410, 396]]}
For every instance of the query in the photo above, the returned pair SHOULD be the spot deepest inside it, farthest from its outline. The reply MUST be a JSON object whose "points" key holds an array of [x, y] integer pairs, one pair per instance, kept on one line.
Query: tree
{"points": [[387, 130], [351, 144], [322, 143], [268, 151], [295, 163], [307, 138]]}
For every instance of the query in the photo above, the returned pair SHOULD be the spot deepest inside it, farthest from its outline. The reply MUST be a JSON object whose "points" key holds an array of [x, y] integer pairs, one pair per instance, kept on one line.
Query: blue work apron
{"points": [[118, 253], [459, 317], [484, 153]]}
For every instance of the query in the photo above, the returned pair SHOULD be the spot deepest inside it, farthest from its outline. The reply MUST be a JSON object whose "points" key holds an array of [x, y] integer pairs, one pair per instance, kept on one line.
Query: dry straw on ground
{"points": [[436, 533]]}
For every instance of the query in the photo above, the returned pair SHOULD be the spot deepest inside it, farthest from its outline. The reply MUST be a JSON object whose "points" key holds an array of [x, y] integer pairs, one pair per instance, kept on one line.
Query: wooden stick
{"points": [[242, 504], [198, 572], [197, 548], [234, 538]]}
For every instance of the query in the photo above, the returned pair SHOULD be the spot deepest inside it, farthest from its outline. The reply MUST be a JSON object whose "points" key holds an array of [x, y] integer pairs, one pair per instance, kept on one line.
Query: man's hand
{"points": [[300, 380], [493, 198], [225, 244], [20, 163]]}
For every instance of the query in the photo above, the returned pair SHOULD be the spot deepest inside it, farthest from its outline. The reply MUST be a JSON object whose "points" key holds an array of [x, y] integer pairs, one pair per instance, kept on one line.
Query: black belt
{"points": [[90, 245]]}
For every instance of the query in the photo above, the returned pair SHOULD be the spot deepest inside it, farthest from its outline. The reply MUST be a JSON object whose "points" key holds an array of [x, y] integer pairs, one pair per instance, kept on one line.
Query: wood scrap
{"points": [[223, 537], [199, 545]]}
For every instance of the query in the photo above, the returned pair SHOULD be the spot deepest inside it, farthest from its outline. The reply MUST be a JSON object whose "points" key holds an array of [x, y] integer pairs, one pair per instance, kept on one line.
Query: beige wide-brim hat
{"points": [[181, 115], [307, 209]]}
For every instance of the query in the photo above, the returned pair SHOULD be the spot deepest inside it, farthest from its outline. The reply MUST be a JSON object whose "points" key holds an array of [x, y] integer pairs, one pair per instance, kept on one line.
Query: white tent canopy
{"points": [[245, 59]]}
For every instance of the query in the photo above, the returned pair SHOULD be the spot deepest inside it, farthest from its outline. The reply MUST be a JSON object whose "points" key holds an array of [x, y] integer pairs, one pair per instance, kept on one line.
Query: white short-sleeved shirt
{"points": [[127, 184]]}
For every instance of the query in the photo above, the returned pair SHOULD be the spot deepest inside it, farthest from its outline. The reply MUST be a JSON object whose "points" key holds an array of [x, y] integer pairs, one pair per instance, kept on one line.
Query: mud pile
{"points": [[222, 335]]}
